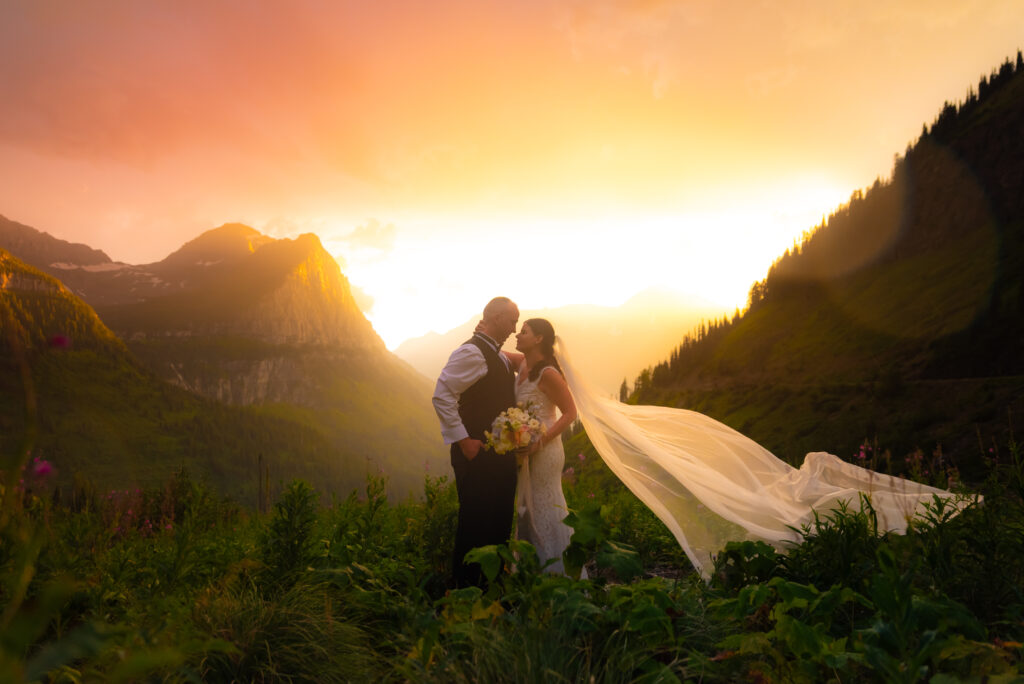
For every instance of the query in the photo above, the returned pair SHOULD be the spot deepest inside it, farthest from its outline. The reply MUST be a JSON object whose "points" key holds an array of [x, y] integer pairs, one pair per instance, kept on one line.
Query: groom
{"points": [[474, 387]]}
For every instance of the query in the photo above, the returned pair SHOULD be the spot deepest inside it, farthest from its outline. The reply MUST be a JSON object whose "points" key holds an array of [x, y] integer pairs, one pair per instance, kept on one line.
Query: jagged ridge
{"points": [[35, 247]]}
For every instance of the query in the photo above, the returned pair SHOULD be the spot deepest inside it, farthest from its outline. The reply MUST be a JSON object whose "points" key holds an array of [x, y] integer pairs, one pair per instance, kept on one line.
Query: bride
{"points": [[708, 483], [540, 502]]}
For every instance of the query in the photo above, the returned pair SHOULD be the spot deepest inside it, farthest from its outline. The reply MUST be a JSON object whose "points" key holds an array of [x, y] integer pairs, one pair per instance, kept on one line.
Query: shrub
{"points": [[288, 545]]}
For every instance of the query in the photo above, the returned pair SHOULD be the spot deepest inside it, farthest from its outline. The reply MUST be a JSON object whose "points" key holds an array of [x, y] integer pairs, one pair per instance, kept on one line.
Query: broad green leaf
{"points": [[489, 559]]}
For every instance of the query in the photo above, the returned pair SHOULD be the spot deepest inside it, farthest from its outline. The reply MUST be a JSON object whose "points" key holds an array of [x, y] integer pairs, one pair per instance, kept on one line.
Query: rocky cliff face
{"points": [[312, 305], [244, 383], [313, 377], [23, 282], [249, 322]]}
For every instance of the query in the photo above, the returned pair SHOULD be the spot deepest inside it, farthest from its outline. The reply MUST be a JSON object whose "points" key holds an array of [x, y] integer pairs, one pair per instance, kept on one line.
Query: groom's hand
{"points": [[470, 447]]}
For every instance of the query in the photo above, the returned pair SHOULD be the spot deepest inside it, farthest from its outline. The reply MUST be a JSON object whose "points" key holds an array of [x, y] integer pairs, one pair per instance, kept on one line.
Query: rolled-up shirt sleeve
{"points": [[465, 366]]}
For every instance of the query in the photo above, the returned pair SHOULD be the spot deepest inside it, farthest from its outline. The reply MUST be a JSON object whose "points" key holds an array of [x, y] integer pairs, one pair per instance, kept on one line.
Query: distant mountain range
{"points": [[900, 318], [246, 320], [610, 344]]}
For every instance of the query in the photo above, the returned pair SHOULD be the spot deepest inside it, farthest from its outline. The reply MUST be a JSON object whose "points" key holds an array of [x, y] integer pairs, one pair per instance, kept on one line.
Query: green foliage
{"points": [[288, 546], [791, 628], [355, 590], [591, 537], [743, 563], [838, 548], [294, 635], [435, 529], [912, 636]]}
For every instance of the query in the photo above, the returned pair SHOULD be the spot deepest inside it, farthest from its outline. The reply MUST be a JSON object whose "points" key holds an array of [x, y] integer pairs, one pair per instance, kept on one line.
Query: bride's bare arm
{"points": [[553, 384], [515, 359]]}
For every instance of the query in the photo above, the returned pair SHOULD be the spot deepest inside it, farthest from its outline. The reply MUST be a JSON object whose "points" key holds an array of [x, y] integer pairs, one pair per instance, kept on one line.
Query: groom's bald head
{"points": [[496, 307], [500, 318]]}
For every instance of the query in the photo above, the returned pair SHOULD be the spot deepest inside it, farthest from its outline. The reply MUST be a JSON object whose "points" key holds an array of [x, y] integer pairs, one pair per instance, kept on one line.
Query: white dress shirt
{"points": [[465, 366]]}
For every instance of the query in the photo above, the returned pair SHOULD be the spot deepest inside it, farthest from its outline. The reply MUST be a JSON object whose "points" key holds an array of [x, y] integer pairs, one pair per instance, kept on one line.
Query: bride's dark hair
{"points": [[542, 327]]}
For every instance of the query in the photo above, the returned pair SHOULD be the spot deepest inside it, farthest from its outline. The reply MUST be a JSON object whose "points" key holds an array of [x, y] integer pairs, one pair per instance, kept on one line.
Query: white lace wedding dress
{"points": [[540, 503]]}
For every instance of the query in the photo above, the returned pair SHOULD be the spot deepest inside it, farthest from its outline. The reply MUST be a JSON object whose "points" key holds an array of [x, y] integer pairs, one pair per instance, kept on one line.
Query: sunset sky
{"points": [[556, 152]]}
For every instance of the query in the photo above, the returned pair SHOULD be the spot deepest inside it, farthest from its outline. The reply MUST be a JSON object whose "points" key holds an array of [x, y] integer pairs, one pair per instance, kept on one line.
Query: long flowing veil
{"points": [[711, 485]]}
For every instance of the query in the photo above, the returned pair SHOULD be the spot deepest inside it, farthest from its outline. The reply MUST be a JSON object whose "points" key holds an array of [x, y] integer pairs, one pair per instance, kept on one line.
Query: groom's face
{"points": [[505, 323]]}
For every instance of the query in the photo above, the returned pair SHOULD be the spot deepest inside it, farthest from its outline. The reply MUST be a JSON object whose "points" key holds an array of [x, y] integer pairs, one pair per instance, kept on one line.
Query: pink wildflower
{"points": [[569, 471], [42, 469], [581, 457]]}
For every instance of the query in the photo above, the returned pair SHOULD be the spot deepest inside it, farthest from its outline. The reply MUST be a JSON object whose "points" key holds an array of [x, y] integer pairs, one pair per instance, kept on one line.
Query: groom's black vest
{"points": [[490, 395]]}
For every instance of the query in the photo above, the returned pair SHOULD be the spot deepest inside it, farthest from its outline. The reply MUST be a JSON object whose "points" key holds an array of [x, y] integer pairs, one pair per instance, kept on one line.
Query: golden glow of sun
{"points": [[440, 272]]}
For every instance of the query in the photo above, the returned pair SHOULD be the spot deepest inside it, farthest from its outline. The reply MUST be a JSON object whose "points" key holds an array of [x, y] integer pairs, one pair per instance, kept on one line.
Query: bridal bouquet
{"points": [[514, 428]]}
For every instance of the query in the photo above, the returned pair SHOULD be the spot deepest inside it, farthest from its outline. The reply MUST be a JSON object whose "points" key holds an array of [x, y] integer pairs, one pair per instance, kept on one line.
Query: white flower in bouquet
{"points": [[514, 428]]}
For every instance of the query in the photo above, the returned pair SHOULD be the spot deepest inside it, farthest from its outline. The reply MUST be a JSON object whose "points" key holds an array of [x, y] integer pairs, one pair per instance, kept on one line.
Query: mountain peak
{"points": [[311, 239], [42, 249], [235, 229], [226, 243]]}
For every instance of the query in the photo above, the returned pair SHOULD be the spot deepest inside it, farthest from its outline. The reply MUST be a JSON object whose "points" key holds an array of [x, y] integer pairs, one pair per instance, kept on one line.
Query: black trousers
{"points": [[487, 491]]}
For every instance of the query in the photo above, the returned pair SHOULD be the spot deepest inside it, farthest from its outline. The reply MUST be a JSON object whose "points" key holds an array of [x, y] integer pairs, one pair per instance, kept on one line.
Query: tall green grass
{"points": [[174, 583]]}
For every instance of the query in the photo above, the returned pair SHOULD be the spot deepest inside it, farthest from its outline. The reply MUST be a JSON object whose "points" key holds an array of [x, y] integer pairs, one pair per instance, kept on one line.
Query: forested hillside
{"points": [[898, 319]]}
